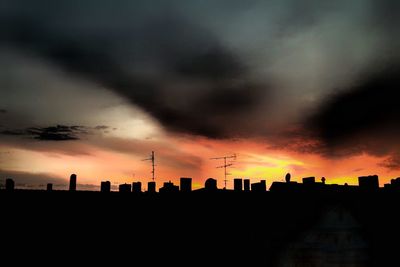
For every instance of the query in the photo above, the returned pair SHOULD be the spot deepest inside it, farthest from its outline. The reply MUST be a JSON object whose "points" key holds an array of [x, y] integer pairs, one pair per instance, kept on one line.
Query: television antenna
{"points": [[226, 165], [152, 158]]}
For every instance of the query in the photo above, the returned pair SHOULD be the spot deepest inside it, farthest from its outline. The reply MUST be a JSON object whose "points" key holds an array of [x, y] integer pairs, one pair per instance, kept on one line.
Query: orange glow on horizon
{"points": [[190, 157]]}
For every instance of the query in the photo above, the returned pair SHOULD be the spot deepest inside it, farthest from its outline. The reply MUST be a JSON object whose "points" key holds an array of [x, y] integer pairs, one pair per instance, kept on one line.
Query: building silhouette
{"points": [[237, 184], [394, 184], [105, 186], [49, 187], [370, 182], [210, 184], [151, 187], [169, 187], [10, 185], [246, 185], [309, 180], [284, 186], [259, 187], [136, 187], [72, 182], [124, 188], [186, 184]]}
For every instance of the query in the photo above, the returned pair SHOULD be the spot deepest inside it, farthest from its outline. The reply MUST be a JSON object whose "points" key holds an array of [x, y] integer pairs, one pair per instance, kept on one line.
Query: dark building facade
{"points": [[308, 180], [394, 184], [124, 188], [169, 187], [210, 184], [105, 186], [151, 187], [136, 187], [370, 182], [246, 185], [259, 187], [10, 185], [49, 187], [72, 182], [186, 184], [237, 184]]}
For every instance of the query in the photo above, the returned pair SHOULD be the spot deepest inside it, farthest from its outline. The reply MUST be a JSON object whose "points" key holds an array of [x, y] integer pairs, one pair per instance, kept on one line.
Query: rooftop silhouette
{"points": [[366, 183], [286, 223]]}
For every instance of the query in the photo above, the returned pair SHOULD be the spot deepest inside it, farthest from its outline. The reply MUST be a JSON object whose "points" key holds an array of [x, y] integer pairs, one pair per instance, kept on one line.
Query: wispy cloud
{"points": [[54, 133]]}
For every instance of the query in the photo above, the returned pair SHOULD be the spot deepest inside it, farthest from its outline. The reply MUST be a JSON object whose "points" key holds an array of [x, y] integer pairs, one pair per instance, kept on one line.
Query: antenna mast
{"points": [[225, 166], [152, 158]]}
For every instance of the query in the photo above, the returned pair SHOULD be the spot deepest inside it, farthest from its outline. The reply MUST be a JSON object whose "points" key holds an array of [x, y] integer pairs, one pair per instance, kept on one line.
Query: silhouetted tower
{"points": [[323, 180], [105, 187], [246, 185], [259, 187], [10, 185], [186, 184], [287, 178], [370, 182], [153, 170], [136, 187], [151, 187], [210, 184], [237, 184], [124, 188], [49, 187], [225, 166], [72, 182], [169, 187]]}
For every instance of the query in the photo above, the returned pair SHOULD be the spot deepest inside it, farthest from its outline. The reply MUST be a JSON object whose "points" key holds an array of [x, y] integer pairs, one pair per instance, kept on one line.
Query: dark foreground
{"points": [[198, 229]]}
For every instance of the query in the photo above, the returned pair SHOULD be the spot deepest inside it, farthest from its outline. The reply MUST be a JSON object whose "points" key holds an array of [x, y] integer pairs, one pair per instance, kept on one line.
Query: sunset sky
{"points": [[92, 87]]}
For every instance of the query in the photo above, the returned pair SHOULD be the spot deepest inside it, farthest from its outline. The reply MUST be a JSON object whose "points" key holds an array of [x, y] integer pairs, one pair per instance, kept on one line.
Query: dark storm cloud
{"points": [[372, 107], [364, 118], [186, 63], [57, 133], [213, 81], [212, 64], [54, 133]]}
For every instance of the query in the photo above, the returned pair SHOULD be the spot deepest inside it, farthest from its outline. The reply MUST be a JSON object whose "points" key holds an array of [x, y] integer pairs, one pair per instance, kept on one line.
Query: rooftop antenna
{"points": [[152, 158], [226, 164]]}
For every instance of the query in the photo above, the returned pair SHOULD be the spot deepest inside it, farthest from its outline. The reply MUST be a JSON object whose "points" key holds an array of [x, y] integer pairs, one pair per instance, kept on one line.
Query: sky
{"points": [[307, 87]]}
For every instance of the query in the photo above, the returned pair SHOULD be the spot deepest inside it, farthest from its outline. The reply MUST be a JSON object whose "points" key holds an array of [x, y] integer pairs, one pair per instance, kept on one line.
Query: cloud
{"points": [[3, 111], [102, 127], [56, 133], [218, 69], [361, 119], [199, 86], [392, 161], [52, 133], [369, 107]]}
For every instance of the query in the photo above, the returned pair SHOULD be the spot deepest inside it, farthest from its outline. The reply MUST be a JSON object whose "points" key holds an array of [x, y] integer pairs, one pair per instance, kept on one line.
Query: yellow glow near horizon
{"points": [[186, 158]]}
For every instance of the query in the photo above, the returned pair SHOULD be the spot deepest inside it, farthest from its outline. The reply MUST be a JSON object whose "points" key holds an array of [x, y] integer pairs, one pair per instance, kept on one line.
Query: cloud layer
{"points": [[219, 69], [54, 133], [192, 88], [364, 118]]}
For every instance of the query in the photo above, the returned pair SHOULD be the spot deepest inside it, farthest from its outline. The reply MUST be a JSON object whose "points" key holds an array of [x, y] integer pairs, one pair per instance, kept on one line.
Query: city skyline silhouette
{"points": [[213, 132]]}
